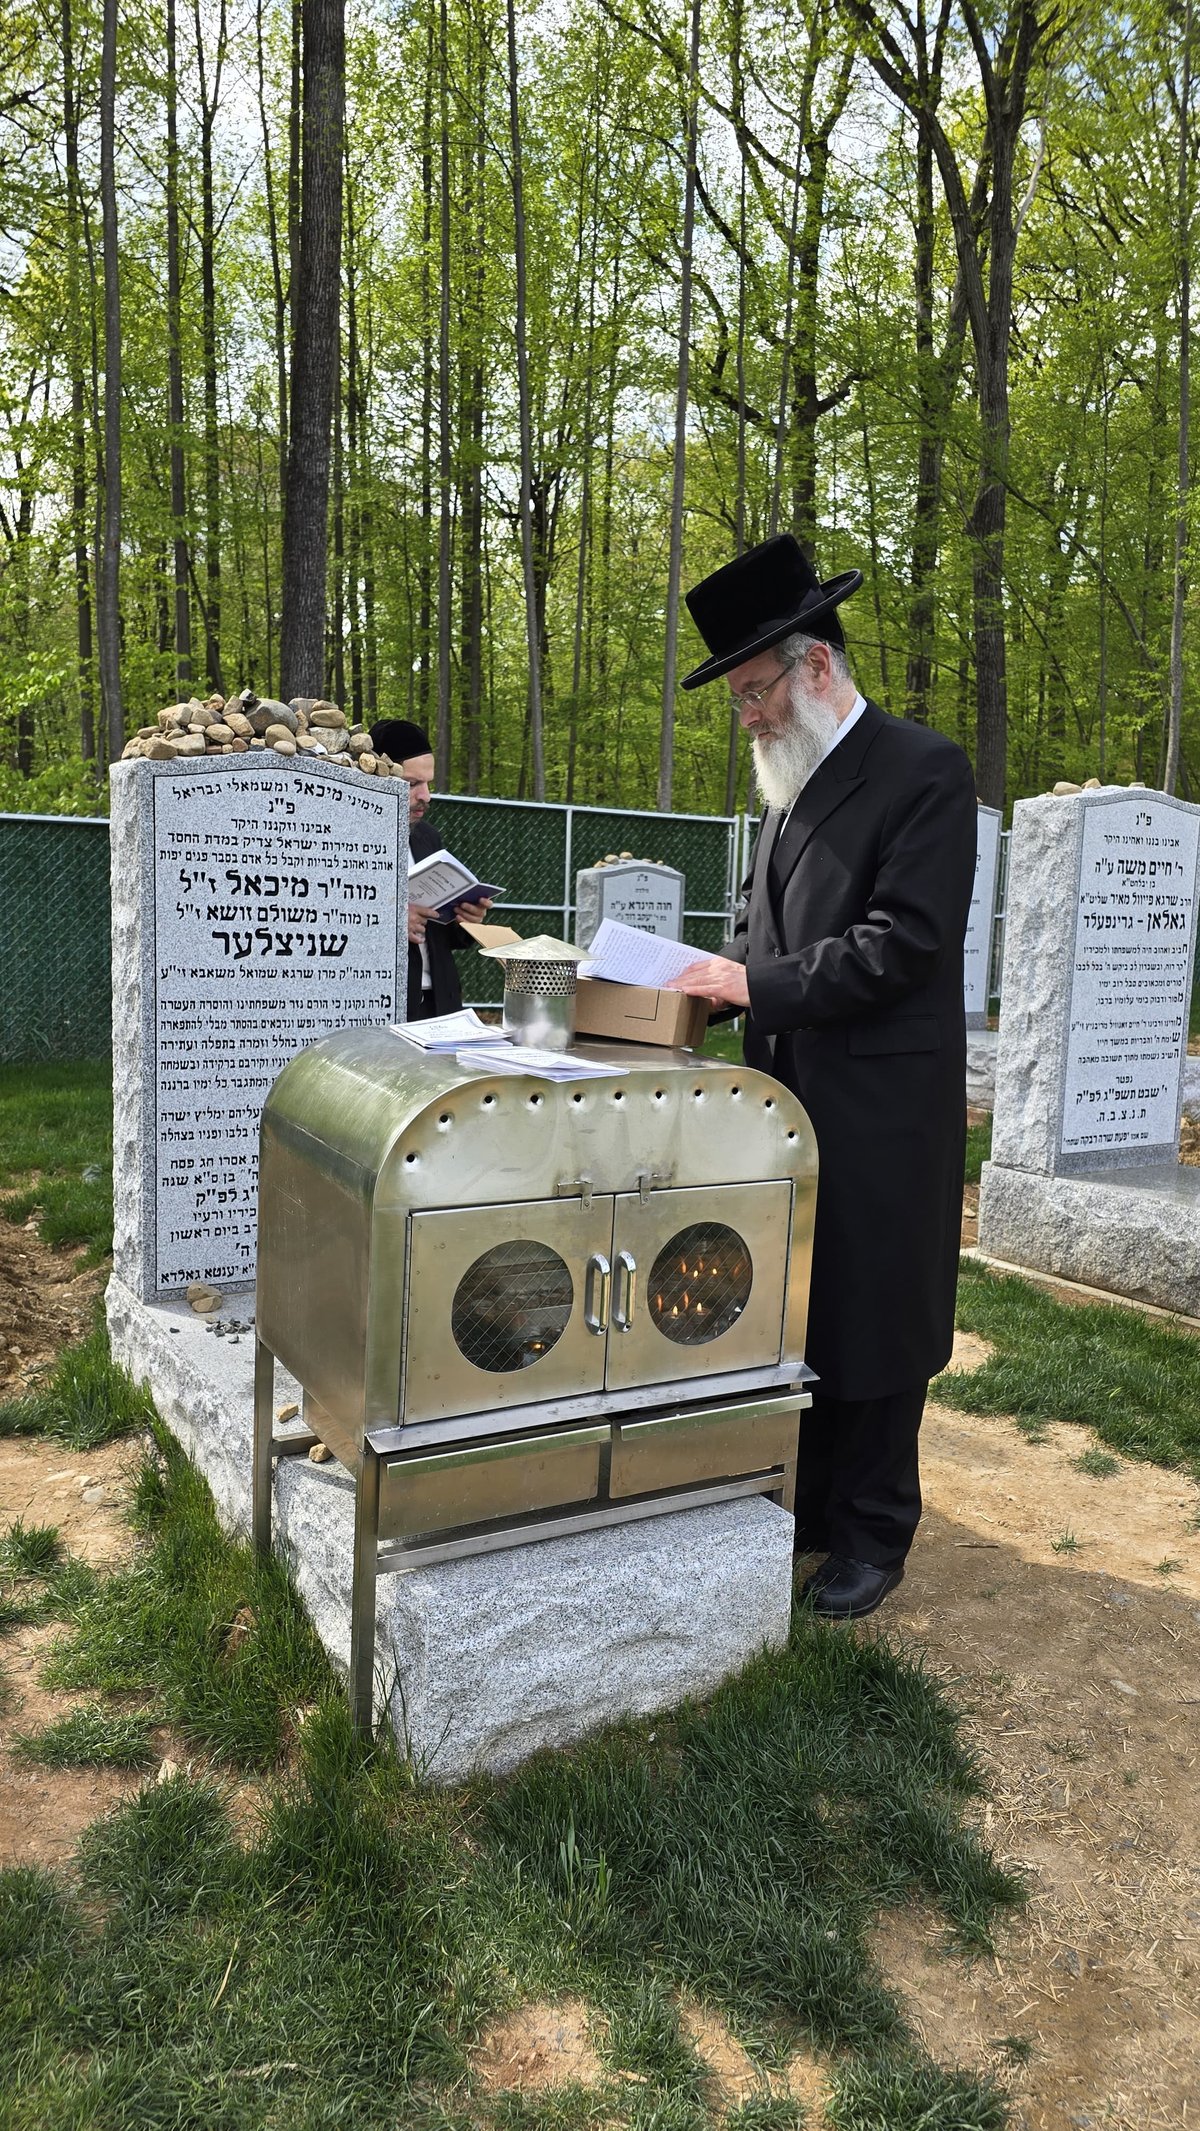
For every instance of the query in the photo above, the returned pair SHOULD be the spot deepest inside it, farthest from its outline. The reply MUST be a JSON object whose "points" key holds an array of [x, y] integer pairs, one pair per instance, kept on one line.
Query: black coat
{"points": [[442, 941], [853, 945]]}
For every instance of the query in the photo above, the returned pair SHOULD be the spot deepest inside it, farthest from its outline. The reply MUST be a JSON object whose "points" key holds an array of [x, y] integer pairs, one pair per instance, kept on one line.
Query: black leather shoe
{"points": [[847, 1590]]}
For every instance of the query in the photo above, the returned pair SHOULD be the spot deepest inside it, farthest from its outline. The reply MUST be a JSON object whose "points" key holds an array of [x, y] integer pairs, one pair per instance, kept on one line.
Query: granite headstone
{"points": [[647, 896], [1084, 1179], [256, 907], [977, 947]]}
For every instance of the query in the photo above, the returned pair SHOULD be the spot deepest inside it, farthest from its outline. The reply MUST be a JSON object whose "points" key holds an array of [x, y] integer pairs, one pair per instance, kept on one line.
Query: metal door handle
{"points": [[596, 1318], [624, 1290]]}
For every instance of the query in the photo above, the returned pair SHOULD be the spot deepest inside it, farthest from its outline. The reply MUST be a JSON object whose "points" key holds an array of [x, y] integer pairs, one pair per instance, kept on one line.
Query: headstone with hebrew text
{"points": [[646, 896], [256, 907], [1100, 937]]}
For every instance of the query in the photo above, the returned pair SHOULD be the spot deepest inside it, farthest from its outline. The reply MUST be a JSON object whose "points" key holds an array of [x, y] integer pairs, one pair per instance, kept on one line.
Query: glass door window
{"points": [[508, 1305], [698, 1282]]}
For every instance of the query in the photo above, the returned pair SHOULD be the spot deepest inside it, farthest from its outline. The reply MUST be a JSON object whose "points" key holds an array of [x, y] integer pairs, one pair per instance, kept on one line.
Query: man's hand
{"points": [[418, 918], [473, 913], [720, 981]]}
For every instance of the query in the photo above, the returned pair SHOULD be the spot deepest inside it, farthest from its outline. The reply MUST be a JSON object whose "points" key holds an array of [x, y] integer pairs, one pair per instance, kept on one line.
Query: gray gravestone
{"points": [[1100, 927], [256, 907], [647, 896], [977, 947]]}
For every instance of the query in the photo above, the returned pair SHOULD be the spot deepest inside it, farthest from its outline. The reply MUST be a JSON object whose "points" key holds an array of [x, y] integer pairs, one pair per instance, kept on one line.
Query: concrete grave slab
{"points": [[484, 1660]]}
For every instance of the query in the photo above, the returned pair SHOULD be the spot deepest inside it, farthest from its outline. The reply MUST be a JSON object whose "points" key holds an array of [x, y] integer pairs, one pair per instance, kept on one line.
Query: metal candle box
{"points": [[518, 1307]]}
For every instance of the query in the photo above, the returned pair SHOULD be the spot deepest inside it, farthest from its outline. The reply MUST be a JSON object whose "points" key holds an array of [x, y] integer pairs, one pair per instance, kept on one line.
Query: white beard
{"points": [[784, 762]]}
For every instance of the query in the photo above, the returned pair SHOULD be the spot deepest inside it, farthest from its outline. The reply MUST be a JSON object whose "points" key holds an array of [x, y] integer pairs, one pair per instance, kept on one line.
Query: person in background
{"points": [[847, 958], [433, 983]]}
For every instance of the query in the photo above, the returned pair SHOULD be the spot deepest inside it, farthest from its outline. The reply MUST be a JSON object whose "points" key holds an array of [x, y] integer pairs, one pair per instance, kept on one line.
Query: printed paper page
{"points": [[623, 955], [446, 1031], [549, 1065]]}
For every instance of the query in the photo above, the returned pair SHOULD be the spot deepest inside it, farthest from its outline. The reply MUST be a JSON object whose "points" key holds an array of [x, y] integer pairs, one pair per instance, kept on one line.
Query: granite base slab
{"points": [[1131, 1232], [483, 1661]]}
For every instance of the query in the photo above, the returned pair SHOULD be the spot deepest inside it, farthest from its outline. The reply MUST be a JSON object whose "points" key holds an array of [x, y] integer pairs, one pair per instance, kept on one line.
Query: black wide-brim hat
{"points": [[770, 592]]}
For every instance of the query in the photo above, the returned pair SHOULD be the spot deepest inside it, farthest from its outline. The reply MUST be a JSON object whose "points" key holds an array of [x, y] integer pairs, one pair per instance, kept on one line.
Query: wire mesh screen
{"points": [[55, 969], [55, 982]]}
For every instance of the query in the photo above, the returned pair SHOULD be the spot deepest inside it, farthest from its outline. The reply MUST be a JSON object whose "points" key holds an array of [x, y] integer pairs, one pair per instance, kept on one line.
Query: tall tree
{"points": [[666, 737], [175, 415], [315, 350], [521, 326], [986, 250], [108, 615]]}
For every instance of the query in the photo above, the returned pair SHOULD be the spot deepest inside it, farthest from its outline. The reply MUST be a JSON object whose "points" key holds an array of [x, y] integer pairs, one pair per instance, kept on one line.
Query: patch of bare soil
{"points": [[1189, 1140], [43, 1811], [46, 1301], [970, 1216], [1081, 1672], [537, 2048], [732, 2077]]}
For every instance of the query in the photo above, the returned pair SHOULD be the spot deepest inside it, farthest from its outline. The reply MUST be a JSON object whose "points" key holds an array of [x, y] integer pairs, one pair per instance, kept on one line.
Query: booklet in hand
{"points": [[441, 882]]}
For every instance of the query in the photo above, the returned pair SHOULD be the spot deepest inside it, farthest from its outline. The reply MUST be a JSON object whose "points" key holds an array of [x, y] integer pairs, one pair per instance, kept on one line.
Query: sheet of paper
{"points": [[548, 1065], [623, 955], [445, 1032]]}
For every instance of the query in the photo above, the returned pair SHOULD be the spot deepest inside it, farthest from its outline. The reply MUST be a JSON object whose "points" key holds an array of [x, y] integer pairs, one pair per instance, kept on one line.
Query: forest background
{"points": [[624, 287]]}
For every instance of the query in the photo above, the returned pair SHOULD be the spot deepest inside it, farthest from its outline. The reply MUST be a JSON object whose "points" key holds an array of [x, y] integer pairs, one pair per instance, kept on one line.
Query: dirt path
{"points": [[1081, 1675]]}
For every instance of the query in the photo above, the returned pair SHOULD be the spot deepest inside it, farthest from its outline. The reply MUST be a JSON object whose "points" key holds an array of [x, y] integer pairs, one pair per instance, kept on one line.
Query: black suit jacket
{"points": [[442, 941], [853, 946]]}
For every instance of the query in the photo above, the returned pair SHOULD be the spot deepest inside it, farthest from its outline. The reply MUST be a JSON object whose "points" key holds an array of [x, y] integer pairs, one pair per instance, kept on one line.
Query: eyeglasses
{"points": [[755, 698]]}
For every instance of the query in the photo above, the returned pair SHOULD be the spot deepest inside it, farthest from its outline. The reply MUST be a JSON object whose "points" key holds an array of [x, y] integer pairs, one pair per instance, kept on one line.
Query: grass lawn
{"points": [[334, 1969], [56, 1151]]}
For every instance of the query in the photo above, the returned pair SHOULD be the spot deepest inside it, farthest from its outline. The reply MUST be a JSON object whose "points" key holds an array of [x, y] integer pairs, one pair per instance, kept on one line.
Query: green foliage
{"points": [[85, 1399], [979, 1149], [1131, 1378], [215, 1636], [97, 1737], [913, 2097], [30, 1550]]}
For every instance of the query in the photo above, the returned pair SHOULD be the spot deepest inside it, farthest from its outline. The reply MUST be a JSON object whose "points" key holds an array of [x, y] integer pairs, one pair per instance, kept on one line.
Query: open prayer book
{"points": [[441, 882], [448, 1032], [623, 955]]}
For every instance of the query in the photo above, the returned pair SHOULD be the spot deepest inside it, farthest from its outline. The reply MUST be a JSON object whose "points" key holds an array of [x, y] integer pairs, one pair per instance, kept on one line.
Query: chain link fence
{"points": [[55, 971]]}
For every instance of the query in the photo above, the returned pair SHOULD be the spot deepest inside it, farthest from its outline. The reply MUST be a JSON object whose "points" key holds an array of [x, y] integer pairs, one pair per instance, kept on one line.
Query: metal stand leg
{"points": [[362, 1591], [264, 1464]]}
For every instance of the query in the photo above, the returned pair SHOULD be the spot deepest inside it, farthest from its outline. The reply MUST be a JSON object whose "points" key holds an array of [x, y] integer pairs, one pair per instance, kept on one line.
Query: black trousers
{"points": [[858, 1488]]}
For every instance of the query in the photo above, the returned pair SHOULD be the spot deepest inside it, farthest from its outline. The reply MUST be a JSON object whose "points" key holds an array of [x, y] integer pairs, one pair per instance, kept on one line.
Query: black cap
{"points": [[770, 592], [399, 739]]}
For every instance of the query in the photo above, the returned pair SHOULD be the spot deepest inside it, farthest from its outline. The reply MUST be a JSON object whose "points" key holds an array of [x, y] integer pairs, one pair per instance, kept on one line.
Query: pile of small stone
{"points": [[246, 723], [614, 858]]}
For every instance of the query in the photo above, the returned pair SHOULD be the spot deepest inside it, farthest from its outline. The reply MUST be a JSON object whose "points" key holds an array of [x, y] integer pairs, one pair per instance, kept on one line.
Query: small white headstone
{"points": [[977, 949], [649, 897], [256, 907]]}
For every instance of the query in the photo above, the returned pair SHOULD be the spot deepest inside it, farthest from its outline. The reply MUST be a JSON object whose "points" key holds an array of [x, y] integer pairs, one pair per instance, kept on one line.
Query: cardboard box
{"points": [[486, 935], [635, 1013]]}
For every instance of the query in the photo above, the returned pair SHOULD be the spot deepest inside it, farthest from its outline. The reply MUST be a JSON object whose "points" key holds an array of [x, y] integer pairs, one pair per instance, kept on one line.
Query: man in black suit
{"points": [[847, 958], [433, 986]]}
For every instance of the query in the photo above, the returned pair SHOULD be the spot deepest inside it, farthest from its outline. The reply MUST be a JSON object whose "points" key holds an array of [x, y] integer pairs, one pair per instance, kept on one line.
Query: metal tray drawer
{"points": [[434, 1492], [712, 1443]]}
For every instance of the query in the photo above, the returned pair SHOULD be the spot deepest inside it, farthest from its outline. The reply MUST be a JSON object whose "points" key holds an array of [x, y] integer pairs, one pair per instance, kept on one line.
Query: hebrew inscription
{"points": [[1131, 980]]}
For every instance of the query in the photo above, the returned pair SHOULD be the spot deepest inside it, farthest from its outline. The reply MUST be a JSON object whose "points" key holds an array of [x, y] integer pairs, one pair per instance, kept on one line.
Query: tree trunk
{"points": [[425, 555], [79, 501], [532, 631], [666, 742], [445, 412], [1183, 487], [277, 287], [180, 561], [208, 311], [315, 350], [109, 607]]}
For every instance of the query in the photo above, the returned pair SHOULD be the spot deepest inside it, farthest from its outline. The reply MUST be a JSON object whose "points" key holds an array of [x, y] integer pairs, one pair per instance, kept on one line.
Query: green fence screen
{"points": [[55, 993]]}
